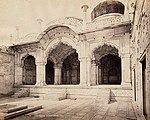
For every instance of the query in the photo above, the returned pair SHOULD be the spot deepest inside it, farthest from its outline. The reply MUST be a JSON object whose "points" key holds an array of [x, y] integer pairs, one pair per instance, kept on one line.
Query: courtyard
{"points": [[75, 60], [79, 109]]}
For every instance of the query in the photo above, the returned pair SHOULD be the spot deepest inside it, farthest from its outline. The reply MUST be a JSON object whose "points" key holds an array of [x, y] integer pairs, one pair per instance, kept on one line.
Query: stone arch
{"points": [[110, 69], [59, 52], [29, 70], [24, 56], [56, 42], [104, 57], [67, 50], [105, 49], [57, 31], [74, 27]]}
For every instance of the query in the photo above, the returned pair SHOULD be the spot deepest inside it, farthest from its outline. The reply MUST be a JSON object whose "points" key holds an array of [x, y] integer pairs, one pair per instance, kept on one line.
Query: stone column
{"points": [[125, 66], [99, 75], [84, 71], [18, 74], [93, 73], [67, 76], [40, 74], [58, 71]]}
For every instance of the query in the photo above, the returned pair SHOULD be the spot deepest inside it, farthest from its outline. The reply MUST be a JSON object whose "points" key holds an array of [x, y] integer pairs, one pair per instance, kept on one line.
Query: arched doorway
{"points": [[71, 70], [106, 65], [29, 71], [110, 68], [49, 72], [67, 65]]}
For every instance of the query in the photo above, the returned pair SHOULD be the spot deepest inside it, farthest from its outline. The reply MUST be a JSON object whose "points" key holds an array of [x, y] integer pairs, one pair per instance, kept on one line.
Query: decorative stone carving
{"points": [[106, 21], [143, 27], [104, 50], [56, 32], [58, 54], [29, 47], [68, 21]]}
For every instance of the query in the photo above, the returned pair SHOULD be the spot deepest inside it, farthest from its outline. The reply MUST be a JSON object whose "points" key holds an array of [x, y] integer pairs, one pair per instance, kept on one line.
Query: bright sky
{"points": [[24, 14]]}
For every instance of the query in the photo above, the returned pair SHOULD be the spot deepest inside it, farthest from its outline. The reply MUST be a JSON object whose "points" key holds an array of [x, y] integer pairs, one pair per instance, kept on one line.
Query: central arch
{"points": [[63, 66]]}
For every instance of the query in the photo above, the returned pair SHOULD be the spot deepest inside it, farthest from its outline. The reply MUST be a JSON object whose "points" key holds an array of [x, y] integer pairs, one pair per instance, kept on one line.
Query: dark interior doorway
{"points": [[49, 72], [144, 85], [29, 71], [134, 72], [71, 70], [110, 66]]}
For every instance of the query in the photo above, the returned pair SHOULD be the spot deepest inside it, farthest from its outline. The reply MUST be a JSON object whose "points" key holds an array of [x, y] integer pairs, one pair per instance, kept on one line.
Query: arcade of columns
{"points": [[88, 65]]}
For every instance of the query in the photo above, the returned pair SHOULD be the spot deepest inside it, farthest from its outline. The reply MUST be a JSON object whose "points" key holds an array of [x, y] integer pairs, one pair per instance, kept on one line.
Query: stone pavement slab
{"points": [[77, 110]]}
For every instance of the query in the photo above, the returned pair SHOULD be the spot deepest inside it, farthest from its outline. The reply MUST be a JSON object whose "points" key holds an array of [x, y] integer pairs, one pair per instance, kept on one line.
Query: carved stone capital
{"points": [[125, 55], [40, 63], [93, 62], [58, 65]]}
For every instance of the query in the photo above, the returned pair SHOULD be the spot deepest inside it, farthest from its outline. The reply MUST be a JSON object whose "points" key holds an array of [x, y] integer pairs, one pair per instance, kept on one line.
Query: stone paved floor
{"points": [[77, 110]]}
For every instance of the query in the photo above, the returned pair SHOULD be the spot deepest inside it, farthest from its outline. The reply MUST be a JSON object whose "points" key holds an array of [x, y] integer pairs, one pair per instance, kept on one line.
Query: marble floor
{"points": [[75, 110]]}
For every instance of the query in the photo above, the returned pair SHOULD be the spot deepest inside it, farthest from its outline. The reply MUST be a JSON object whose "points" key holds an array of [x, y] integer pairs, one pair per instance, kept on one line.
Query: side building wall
{"points": [[141, 57], [6, 71]]}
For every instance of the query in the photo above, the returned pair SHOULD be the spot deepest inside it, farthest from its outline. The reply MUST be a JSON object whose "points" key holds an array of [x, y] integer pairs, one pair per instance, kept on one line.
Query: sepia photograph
{"points": [[74, 59]]}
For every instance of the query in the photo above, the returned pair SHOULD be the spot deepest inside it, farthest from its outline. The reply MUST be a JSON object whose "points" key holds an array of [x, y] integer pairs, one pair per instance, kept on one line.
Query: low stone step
{"points": [[24, 92], [10, 110], [5, 116], [6, 106], [103, 96]]}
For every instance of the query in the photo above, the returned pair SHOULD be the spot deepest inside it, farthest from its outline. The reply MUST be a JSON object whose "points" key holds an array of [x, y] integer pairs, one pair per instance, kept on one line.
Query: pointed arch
{"points": [[101, 50]]}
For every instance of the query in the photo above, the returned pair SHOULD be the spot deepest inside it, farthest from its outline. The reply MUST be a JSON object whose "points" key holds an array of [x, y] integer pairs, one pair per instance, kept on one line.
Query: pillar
{"points": [[125, 66], [68, 77], [97, 77], [58, 71], [40, 74], [93, 73], [99, 74], [85, 71], [18, 74]]}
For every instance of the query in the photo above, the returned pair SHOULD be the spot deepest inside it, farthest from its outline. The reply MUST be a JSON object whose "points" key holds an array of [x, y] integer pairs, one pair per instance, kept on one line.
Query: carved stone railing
{"points": [[67, 21], [105, 21]]}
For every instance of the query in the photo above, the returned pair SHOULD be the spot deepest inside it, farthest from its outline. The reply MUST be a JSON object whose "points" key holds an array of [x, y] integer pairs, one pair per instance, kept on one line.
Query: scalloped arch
{"points": [[105, 52], [56, 43]]}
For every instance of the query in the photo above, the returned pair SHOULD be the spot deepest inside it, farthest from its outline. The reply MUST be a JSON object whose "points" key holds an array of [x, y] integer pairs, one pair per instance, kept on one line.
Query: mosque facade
{"points": [[111, 52]]}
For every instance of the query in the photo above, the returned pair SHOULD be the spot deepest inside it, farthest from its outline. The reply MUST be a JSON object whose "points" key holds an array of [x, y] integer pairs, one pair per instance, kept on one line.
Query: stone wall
{"points": [[6, 70], [53, 92], [140, 45]]}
